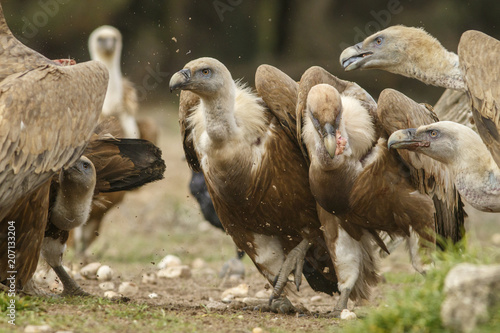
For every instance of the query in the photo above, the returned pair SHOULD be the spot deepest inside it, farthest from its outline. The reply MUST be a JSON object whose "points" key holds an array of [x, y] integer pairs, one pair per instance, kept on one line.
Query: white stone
{"points": [[214, 305], [90, 271], [108, 285], [173, 272], [56, 287], [128, 289], [104, 273], [153, 295], [37, 329], [238, 291], [198, 263], [347, 315], [264, 293], [149, 278], [257, 330], [316, 299], [111, 294], [169, 261]]}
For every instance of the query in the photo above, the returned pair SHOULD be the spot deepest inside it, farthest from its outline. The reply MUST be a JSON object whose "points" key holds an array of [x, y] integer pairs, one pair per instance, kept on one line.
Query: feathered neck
{"points": [[218, 110], [114, 94]]}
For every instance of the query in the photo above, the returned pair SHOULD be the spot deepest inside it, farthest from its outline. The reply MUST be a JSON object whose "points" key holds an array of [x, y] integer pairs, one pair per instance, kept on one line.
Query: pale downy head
{"points": [[324, 108], [204, 76], [81, 177], [396, 49], [105, 44], [445, 141]]}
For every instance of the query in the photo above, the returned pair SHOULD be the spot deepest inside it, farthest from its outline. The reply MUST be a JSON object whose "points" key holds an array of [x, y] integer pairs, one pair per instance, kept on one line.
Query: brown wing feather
{"points": [[188, 101], [48, 115], [30, 219], [279, 93], [396, 111], [478, 55], [317, 75]]}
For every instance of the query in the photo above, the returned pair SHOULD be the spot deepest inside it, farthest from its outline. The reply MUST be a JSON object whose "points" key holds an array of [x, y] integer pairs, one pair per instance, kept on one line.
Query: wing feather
{"points": [[478, 55], [187, 103]]}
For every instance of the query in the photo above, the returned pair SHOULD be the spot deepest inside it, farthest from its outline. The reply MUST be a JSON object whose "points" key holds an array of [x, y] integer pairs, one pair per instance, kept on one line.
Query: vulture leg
{"points": [[52, 252], [294, 262], [348, 254], [413, 246]]}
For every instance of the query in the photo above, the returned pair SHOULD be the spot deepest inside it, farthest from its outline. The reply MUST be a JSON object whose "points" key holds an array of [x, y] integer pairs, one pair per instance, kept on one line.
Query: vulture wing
{"points": [[478, 55], [187, 103], [317, 75], [47, 117], [429, 176], [453, 105]]}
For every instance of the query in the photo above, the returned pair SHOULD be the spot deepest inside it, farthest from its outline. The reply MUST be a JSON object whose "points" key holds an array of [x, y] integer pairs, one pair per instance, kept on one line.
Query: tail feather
{"points": [[125, 164]]}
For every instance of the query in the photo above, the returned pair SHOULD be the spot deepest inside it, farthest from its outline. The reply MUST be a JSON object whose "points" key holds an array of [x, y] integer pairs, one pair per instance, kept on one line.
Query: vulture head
{"points": [[324, 106], [81, 175], [104, 43], [204, 76], [394, 49], [444, 141]]}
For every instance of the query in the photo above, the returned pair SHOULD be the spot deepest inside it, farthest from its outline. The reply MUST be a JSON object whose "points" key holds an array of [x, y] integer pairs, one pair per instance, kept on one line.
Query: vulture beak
{"points": [[180, 79], [330, 140], [354, 57], [107, 45], [406, 139]]}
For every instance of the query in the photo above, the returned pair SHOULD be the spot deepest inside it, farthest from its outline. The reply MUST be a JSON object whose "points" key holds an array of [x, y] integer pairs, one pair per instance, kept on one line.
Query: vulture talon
{"points": [[294, 262]]}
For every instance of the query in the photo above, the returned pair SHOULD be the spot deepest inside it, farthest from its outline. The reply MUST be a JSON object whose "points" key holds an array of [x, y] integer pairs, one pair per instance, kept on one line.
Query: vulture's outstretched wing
{"points": [[187, 102], [47, 117], [396, 111], [453, 105], [478, 55], [317, 75], [279, 93]]}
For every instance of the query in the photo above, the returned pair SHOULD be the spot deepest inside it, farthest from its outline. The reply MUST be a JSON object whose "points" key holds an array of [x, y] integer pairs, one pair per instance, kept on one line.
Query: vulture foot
{"points": [[71, 288], [342, 303], [294, 263], [278, 305]]}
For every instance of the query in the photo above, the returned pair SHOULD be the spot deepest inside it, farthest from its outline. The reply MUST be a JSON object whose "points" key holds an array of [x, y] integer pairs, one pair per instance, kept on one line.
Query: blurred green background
{"points": [[161, 36]]}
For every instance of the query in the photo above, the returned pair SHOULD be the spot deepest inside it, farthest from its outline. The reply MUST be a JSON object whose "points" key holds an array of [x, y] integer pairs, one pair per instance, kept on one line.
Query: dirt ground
{"points": [[162, 219]]}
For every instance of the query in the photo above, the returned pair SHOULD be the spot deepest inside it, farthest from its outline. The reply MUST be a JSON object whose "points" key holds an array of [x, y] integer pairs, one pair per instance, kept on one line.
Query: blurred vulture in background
{"points": [[414, 53], [105, 45], [255, 173], [44, 128]]}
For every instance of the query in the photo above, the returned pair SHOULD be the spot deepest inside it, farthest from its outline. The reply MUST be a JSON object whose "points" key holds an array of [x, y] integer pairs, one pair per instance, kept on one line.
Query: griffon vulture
{"points": [[255, 173], [112, 165], [474, 70], [414, 53], [121, 102], [43, 128]]}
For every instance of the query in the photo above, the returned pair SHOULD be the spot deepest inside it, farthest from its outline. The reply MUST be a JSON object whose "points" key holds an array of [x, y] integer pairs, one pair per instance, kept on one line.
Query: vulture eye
{"points": [[378, 40], [433, 133], [205, 71], [86, 165]]}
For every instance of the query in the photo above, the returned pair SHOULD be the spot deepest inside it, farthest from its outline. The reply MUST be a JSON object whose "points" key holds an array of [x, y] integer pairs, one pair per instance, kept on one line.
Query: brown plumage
{"points": [[44, 128], [260, 194]]}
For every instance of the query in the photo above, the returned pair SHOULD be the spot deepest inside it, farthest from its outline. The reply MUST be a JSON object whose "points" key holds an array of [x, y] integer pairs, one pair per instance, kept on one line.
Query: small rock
{"points": [[254, 301], [214, 305], [227, 299], [496, 239], [240, 317], [238, 291], [169, 261], [108, 285], [175, 272], [347, 315], [76, 275], [90, 271], [149, 278], [198, 263], [128, 289], [153, 295], [37, 329], [111, 294], [316, 299], [257, 330], [45, 278], [104, 273], [56, 287], [264, 293]]}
